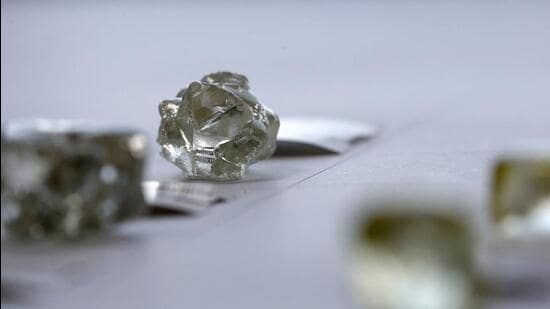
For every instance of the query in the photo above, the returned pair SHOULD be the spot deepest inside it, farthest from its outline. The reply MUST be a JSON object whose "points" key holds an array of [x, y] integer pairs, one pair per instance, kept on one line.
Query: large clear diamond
{"points": [[217, 128]]}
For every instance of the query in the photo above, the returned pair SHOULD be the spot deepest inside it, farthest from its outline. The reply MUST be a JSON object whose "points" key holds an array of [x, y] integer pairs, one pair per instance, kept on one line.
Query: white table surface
{"points": [[450, 83]]}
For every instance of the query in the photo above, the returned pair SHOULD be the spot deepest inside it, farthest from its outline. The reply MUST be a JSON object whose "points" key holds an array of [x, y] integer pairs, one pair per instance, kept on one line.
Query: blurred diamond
{"points": [[521, 194], [217, 128], [64, 178], [410, 258]]}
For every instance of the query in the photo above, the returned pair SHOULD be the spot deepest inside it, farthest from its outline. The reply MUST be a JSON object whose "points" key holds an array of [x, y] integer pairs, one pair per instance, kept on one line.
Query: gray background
{"points": [[450, 83]]}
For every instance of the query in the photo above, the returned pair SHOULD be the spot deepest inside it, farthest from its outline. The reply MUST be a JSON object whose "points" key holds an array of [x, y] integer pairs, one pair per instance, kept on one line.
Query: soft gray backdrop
{"points": [[450, 83]]}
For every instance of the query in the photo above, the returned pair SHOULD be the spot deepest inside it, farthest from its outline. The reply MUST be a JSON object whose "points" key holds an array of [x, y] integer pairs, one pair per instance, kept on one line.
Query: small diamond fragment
{"points": [[216, 128], [65, 179], [521, 194]]}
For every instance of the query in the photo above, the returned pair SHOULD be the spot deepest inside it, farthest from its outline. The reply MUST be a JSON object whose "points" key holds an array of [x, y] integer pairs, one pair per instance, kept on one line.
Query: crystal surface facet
{"points": [[65, 179], [216, 128]]}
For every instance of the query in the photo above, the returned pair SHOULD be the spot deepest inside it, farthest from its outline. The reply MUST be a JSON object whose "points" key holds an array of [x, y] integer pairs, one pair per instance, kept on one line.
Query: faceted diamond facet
{"points": [[64, 179], [216, 128]]}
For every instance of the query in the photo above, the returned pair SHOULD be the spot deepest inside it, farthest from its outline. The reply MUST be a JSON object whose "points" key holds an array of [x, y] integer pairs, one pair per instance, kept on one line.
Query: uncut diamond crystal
{"points": [[66, 179], [412, 258], [521, 194], [216, 128]]}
